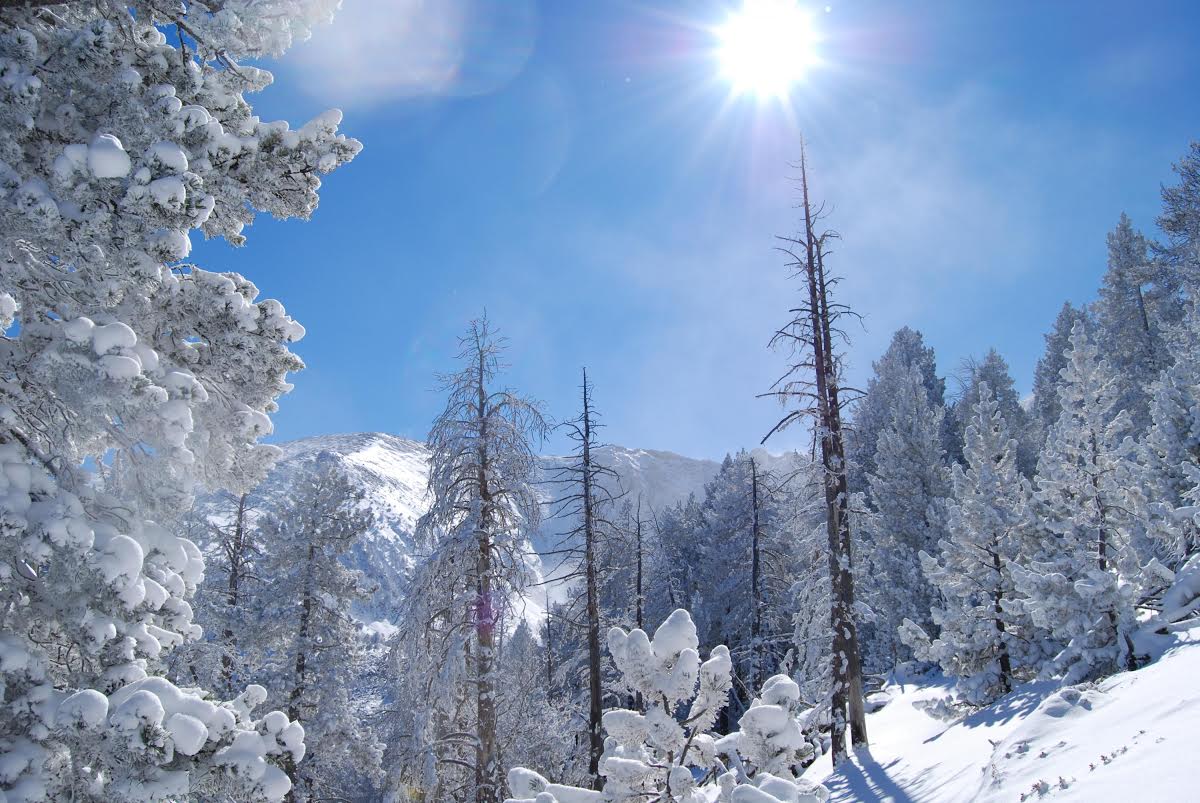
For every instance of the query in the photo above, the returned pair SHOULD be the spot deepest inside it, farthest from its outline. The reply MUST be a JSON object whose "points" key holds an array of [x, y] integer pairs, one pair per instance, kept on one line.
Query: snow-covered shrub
{"points": [[1181, 600], [114, 147], [667, 752]]}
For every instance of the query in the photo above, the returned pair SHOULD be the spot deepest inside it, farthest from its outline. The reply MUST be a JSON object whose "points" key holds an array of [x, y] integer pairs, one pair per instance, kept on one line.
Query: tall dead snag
{"points": [[811, 387], [482, 479], [639, 588], [584, 499], [756, 596]]}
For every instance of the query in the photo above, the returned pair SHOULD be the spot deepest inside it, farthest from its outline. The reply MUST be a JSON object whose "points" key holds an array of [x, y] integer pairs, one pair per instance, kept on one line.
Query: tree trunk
{"points": [[486, 771], [1005, 659], [549, 649], [300, 667], [640, 592], [755, 583], [595, 739], [847, 668], [237, 559]]}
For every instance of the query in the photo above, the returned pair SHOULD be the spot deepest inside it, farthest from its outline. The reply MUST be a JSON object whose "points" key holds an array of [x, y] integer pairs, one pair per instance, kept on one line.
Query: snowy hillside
{"points": [[1128, 737], [392, 472]]}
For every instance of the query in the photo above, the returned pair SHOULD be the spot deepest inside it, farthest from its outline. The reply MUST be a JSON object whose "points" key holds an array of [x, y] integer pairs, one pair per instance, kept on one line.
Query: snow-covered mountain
{"points": [[392, 472]]}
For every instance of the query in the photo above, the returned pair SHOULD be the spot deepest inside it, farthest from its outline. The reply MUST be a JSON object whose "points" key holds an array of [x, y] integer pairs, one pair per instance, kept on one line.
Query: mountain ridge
{"points": [[392, 473]]}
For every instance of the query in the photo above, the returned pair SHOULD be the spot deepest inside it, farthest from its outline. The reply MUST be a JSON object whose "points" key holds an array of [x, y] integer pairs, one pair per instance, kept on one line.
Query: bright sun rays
{"points": [[766, 47]]}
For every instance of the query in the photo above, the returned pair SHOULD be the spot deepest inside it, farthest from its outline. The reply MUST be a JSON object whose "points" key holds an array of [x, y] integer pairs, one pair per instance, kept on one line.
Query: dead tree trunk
{"points": [[810, 333], [639, 590], [584, 499], [486, 788], [595, 739], [837, 470], [755, 579]]}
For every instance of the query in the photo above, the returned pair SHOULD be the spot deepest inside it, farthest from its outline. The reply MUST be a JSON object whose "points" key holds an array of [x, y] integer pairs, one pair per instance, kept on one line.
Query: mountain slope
{"points": [[392, 473]]}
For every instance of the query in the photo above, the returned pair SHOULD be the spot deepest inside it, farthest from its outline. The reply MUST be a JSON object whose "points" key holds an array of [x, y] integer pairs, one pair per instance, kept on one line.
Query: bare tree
{"points": [[482, 482], [585, 499], [811, 384]]}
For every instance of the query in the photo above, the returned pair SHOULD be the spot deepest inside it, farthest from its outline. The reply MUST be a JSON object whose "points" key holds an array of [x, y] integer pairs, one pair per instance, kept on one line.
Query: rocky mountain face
{"points": [[392, 474]]}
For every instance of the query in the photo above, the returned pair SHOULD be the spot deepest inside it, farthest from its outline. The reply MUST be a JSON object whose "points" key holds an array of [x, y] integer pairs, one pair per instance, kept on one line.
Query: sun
{"points": [[767, 46]]}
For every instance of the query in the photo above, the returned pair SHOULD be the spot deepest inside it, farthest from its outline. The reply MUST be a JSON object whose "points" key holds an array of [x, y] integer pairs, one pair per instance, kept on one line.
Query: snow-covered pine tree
{"points": [[983, 639], [1180, 221], [484, 504], [908, 490], [1128, 322], [806, 661], [748, 566], [1083, 586], [1169, 454], [873, 411], [674, 561], [1047, 375], [115, 146], [534, 724], [313, 637], [993, 370], [225, 605]]}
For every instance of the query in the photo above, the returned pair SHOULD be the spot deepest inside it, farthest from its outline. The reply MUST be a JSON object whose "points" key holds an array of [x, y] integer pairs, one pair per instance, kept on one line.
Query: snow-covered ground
{"points": [[1130, 737]]}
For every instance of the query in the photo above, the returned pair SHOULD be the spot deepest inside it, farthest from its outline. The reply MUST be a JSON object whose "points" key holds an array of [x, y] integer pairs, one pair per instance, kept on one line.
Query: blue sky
{"points": [[581, 171]]}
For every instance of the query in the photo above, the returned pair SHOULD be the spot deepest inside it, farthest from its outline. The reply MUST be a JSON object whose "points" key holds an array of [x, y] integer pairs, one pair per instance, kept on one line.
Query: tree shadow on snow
{"points": [[864, 778], [1015, 705]]}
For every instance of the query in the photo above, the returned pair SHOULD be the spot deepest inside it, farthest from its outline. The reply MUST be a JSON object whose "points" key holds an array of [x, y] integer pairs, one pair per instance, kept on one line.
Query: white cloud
{"points": [[378, 51]]}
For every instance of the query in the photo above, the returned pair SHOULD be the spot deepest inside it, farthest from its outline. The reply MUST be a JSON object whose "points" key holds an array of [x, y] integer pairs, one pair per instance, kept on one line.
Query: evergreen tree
{"points": [[226, 604], [993, 371], [1180, 221], [675, 561], [983, 639], [115, 147], [874, 410], [1169, 454], [1047, 376], [313, 639], [747, 568], [909, 489], [1128, 325], [1083, 586]]}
